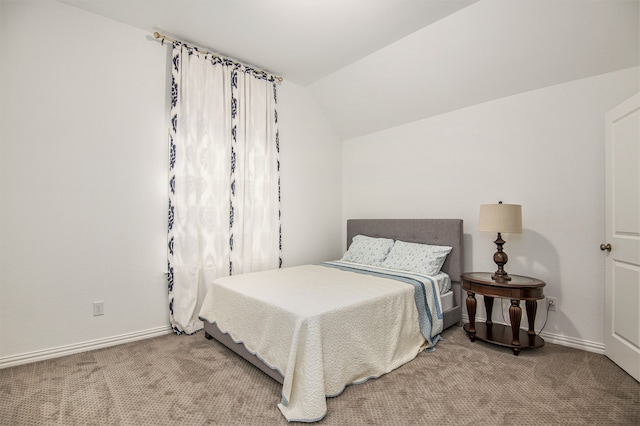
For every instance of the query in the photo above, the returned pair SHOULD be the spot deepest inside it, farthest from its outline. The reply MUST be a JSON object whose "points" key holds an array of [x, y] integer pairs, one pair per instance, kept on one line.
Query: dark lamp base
{"points": [[501, 275], [501, 259]]}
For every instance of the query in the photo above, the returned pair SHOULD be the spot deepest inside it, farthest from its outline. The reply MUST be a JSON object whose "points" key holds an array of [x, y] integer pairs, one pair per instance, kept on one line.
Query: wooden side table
{"points": [[519, 288]]}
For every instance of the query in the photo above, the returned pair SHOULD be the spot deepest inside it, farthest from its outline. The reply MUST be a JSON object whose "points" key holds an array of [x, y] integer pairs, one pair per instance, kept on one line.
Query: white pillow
{"points": [[368, 250], [422, 258]]}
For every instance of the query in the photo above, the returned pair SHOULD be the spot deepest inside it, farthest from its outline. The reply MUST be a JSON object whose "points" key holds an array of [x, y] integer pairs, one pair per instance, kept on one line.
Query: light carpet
{"points": [[188, 380]]}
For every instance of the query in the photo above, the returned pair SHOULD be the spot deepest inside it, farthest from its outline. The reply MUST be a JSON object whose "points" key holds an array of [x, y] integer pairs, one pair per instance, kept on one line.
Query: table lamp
{"points": [[500, 218]]}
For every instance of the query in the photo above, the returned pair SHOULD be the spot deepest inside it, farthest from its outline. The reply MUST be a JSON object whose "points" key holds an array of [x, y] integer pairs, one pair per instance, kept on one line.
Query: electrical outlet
{"points": [[551, 303], [98, 308]]}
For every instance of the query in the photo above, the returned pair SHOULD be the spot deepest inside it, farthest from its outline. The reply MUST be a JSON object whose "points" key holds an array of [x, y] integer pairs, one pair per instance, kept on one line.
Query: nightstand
{"points": [[519, 288]]}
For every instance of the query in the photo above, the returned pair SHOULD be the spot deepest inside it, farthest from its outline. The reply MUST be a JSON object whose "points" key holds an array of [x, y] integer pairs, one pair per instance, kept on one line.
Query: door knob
{"points": [[605, 247]]}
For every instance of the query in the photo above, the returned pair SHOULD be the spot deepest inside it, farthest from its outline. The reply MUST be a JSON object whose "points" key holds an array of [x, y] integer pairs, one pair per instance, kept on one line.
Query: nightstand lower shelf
{"points": [[502, 335]]}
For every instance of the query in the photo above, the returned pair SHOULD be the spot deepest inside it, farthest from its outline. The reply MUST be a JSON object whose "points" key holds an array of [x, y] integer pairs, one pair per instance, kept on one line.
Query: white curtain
{"points": [[224, 201]]}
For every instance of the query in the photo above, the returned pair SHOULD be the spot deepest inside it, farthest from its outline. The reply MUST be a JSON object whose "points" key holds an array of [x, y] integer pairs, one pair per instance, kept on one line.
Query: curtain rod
{"points": [[163, 37]]}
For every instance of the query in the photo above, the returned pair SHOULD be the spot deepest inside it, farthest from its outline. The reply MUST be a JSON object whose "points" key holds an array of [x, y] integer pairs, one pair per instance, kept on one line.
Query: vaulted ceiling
{"points": [[374, 64], [304, 40]]}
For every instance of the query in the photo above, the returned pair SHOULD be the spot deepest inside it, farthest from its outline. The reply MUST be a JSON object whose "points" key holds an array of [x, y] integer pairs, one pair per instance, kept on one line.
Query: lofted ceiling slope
{"points": [[303, 40], [375, 64], [489, 50]]}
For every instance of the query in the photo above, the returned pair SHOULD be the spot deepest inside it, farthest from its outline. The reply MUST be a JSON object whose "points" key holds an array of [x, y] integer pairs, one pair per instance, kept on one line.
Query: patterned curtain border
{"points": [[175, 69]]}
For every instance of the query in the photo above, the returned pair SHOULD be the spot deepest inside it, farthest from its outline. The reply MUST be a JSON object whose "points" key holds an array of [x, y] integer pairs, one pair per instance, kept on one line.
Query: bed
{"points": [[318, 328]]}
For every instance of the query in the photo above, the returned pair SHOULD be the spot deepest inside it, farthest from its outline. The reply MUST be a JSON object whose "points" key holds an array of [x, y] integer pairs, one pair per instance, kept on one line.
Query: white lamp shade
{"points": [[503, 218]]}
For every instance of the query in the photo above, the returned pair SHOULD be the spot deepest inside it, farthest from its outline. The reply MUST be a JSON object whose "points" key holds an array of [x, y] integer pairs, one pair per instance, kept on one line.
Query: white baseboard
{"points": [[572, 342], [25, 358], [559, 339]]}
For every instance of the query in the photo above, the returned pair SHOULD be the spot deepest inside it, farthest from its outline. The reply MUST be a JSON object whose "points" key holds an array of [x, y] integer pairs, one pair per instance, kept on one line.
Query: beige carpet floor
{"points": [[188, 380]]}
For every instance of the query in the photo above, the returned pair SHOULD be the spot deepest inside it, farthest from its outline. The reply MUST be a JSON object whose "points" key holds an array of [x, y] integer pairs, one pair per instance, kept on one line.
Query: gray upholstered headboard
{"points": [[443, 232]]}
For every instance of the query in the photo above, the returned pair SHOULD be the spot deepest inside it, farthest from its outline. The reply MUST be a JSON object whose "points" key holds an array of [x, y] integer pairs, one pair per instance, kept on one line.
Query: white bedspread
{"points": [[322, 328]]}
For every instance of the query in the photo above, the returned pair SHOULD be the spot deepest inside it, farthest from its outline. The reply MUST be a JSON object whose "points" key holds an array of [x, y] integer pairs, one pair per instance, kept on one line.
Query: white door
{"points": [[622, 286]]}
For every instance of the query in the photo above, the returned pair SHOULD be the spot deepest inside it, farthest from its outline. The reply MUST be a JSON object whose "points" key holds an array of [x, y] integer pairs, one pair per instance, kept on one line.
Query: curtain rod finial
{"points": [[156, 35]]}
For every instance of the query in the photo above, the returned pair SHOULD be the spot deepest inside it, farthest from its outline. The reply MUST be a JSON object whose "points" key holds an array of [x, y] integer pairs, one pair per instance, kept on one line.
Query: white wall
{"points": [[543, 149], [83, 157], [83, 178], [310, 169]]}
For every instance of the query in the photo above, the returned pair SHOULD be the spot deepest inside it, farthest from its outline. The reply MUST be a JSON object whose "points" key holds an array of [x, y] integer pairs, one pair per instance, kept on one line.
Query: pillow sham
{"points": [[422, 258], [368, 250]]}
